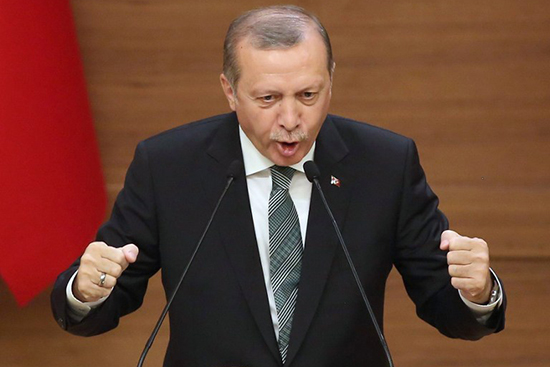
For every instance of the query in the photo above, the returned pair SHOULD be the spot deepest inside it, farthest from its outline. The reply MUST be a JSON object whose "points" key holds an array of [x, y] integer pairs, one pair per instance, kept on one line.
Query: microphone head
{"points": [[312, 171], [235, 168]]}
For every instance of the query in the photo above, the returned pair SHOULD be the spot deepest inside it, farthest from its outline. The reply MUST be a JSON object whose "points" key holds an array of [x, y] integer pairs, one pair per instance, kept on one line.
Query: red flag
{"points": [[52, 195]]}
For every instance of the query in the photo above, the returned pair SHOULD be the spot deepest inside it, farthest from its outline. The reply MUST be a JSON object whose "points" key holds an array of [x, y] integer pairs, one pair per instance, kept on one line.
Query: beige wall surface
{"points": [[468, 80]]}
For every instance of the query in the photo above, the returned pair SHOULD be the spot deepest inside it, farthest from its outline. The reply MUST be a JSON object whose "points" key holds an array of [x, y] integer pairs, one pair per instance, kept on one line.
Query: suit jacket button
{"points": [[61, 322]]}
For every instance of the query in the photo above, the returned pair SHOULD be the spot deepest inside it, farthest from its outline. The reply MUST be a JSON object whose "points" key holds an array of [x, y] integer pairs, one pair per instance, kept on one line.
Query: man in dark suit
{"points": [[270, 285]]}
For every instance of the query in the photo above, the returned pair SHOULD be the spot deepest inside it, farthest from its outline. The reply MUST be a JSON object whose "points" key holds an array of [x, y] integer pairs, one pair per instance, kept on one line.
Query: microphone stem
{"points": [[355, 275], [165, 310]]}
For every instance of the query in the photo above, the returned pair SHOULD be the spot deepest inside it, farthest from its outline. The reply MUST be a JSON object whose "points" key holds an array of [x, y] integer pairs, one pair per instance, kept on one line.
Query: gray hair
{"points": [[271, 27]]}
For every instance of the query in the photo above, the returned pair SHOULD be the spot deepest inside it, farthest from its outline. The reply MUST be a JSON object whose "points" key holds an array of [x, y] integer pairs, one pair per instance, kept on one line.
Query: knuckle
{"points": [[96, 245], [482, 257], [116, 271], [455, 282], [481, 243], [455, 270], [108, 286], [476, 272], [87, 258], [119, 257], [81, 277]]}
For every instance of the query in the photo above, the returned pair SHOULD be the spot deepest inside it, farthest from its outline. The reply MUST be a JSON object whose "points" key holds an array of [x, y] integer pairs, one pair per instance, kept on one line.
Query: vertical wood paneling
{"points": [[468, 80]]}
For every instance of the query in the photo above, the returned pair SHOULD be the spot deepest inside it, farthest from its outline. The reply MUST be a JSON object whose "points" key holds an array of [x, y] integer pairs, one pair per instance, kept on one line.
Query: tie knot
{"points": [[281, 177]]}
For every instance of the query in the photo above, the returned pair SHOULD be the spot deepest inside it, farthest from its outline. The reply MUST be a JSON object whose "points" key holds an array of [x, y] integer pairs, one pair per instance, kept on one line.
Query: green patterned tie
{"points": [[285, 251]]}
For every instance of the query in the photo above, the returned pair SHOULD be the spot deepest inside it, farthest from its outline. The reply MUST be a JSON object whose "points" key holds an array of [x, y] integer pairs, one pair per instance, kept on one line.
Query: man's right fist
{"points": [[90, 284]]}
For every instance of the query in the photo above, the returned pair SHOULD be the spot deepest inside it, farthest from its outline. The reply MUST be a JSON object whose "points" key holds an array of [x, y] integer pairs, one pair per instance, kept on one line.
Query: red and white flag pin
{"points": [[334, 181]]}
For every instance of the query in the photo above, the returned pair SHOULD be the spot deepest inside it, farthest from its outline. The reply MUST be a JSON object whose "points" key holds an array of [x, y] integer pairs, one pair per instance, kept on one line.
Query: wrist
{"points": [[76, 293], [485, 297]]}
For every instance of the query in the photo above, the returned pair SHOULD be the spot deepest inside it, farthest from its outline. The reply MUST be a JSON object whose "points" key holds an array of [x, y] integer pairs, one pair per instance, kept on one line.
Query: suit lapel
{"points": [[321, 240], [239, 239], [237, 228]]}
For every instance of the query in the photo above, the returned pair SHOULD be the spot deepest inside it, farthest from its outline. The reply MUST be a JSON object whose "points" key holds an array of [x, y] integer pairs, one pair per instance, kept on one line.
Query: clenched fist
{"points": [[468, 260], [100, 267]]}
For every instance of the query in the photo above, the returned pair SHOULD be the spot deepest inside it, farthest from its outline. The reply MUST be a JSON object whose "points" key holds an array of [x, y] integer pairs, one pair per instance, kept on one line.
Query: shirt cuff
{"points": [[79, 310], [483, 312]]}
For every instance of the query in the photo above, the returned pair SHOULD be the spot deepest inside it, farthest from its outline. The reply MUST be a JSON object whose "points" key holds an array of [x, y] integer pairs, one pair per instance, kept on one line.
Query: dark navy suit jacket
{"points": [[220, 317]]}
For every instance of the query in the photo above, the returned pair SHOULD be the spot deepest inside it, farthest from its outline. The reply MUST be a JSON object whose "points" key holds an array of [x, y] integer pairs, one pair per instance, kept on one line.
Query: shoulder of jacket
{"points": [[364, 130]]}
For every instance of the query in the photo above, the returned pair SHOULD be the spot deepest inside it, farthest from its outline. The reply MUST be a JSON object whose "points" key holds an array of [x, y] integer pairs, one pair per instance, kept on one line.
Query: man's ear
{"points": [[229, 92], [332, 75]]}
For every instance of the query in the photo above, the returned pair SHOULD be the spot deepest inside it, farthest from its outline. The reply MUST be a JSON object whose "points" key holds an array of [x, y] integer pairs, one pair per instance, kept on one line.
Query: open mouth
{"points": [[287, 149]]}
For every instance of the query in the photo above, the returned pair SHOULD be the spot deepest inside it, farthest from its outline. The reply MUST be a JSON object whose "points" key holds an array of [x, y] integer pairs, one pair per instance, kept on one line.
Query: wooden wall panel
{"points": [[515, 220], [523, 343], [468, 80]]}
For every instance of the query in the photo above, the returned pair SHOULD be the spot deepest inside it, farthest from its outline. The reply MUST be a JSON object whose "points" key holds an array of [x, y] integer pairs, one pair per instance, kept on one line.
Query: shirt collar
{"points": [[255, 162]]}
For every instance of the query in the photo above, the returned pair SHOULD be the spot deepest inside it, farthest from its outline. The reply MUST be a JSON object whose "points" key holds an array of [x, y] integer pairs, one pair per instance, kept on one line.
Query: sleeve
{"points": [[133, 220], [484, 312], [423, 266], [79, 310]]}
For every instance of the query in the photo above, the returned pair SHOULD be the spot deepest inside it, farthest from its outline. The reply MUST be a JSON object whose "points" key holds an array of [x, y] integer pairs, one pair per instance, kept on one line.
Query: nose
{"points": [[289, 114]]}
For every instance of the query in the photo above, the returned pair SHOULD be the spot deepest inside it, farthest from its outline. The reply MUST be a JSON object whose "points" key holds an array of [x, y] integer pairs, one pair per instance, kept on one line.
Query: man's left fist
{"points": [[468, 260]]}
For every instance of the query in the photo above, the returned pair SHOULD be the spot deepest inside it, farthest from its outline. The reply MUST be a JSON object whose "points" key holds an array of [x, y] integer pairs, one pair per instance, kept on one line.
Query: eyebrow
{"points": [[264, 92], [317, 85]]}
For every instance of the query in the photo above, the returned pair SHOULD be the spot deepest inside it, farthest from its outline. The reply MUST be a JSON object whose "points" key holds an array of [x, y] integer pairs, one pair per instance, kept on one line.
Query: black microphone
{"points": [[234, 170], [313, 174]]}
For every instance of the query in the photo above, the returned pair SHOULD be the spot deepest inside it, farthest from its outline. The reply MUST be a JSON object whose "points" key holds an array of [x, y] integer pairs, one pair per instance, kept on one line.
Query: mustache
{"points": [[288, 136]]}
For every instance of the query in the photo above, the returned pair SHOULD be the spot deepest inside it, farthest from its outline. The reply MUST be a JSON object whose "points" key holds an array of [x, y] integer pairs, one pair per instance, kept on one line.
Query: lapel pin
{"points": [[334, 181]]}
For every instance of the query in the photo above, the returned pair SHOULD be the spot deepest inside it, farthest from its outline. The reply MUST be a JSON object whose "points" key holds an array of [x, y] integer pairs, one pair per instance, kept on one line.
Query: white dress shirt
{"points": [[258, 180]]}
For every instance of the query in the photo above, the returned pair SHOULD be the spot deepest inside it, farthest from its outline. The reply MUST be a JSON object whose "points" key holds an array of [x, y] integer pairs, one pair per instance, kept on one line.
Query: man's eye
{"points": [[267, 98], [308, 95]]}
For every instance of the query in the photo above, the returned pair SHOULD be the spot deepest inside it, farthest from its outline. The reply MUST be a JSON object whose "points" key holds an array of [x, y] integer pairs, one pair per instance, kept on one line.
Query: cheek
{"points": [[313, 120], [258, 123], [264, 123]]}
